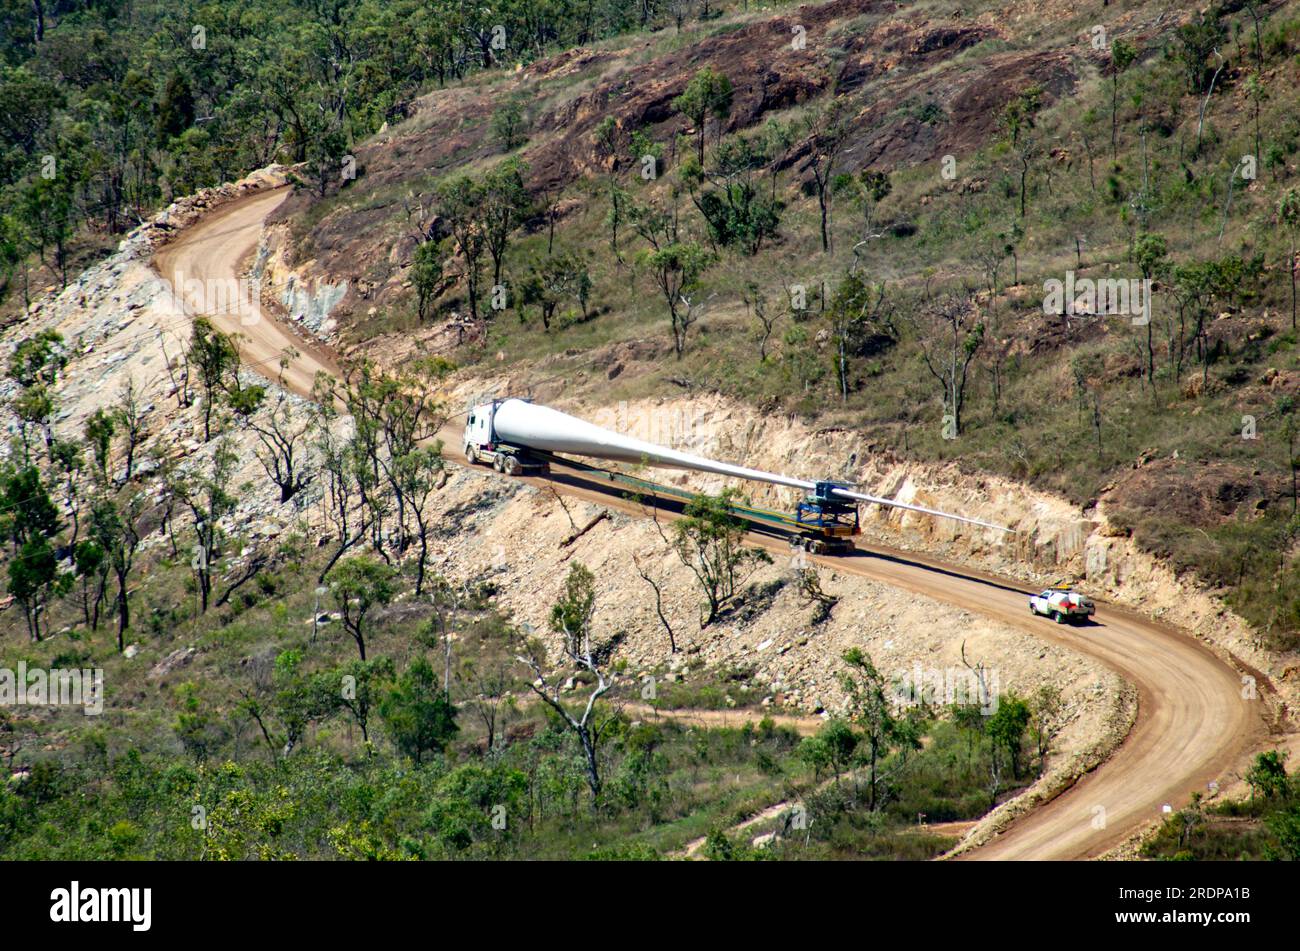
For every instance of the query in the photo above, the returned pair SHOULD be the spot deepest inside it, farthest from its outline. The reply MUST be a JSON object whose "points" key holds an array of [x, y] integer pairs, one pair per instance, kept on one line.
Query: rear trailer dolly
{"points": [[828, 523]]}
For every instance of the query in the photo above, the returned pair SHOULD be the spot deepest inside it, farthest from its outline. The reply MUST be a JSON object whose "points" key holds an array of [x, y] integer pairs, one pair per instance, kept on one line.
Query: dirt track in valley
{"points": [[1193, 725]]}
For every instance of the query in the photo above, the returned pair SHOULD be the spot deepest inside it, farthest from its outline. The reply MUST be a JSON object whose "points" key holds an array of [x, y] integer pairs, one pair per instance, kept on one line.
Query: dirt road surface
{"points": [[1193, 724], [209, 258]]}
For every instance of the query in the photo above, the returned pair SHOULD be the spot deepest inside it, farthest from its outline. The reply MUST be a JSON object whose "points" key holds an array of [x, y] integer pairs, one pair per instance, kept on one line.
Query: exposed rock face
{"points": [[173, 661], [311, 307], [120, 321]]}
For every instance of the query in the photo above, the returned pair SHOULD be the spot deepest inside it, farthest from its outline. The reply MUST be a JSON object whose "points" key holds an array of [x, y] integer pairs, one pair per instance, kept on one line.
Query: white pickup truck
{"points": [[1062, 604]]}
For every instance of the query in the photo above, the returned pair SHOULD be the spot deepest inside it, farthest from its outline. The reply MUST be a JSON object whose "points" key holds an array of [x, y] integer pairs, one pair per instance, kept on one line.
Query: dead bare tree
{"points": [[656, 585], [349, 520], [416, 207], [178, 372], [980, 673], [949, 333], [284, 433], [756, 301], [988, 258], [448, 598], [563, 505], [985, 697], [250, 570], [686, 318], [810, 591], [827, 132], [488, 686], [131, 413], [1205, 103]]}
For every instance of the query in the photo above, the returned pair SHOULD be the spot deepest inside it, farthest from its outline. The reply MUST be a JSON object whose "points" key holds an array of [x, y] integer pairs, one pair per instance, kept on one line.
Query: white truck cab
{"points": [[1062, 604], [482, 444], [478, 430]]}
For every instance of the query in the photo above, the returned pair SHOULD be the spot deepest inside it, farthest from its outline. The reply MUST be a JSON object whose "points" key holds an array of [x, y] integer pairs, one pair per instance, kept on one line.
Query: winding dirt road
{"points": [[205, 264], [1193, 724]]}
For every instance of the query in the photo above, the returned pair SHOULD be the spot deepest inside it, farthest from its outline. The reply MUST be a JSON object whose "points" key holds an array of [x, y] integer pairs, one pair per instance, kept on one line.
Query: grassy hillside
{"points": [[1262, 826], [851, 211], [222, 739], [113, 110], [1012, 149]]}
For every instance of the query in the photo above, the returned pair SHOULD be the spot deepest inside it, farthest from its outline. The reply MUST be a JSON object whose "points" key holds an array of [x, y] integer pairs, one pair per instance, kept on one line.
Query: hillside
{"points": [[1148, 426], [830, 240]]}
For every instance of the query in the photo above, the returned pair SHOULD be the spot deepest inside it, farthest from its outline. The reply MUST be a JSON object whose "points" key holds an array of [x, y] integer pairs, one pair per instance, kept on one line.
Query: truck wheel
{"points": [[512, 466], [1058, 617], [496, 462], [470, 455]]}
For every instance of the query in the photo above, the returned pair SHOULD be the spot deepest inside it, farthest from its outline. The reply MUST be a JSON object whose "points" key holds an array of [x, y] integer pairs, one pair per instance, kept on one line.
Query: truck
{"points": [[1062, 604], [516, 436], [484, 444]]}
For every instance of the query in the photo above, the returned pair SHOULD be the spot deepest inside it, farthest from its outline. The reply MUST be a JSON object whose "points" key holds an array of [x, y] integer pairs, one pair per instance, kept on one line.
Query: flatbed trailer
{"points": [[819, 525]]}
